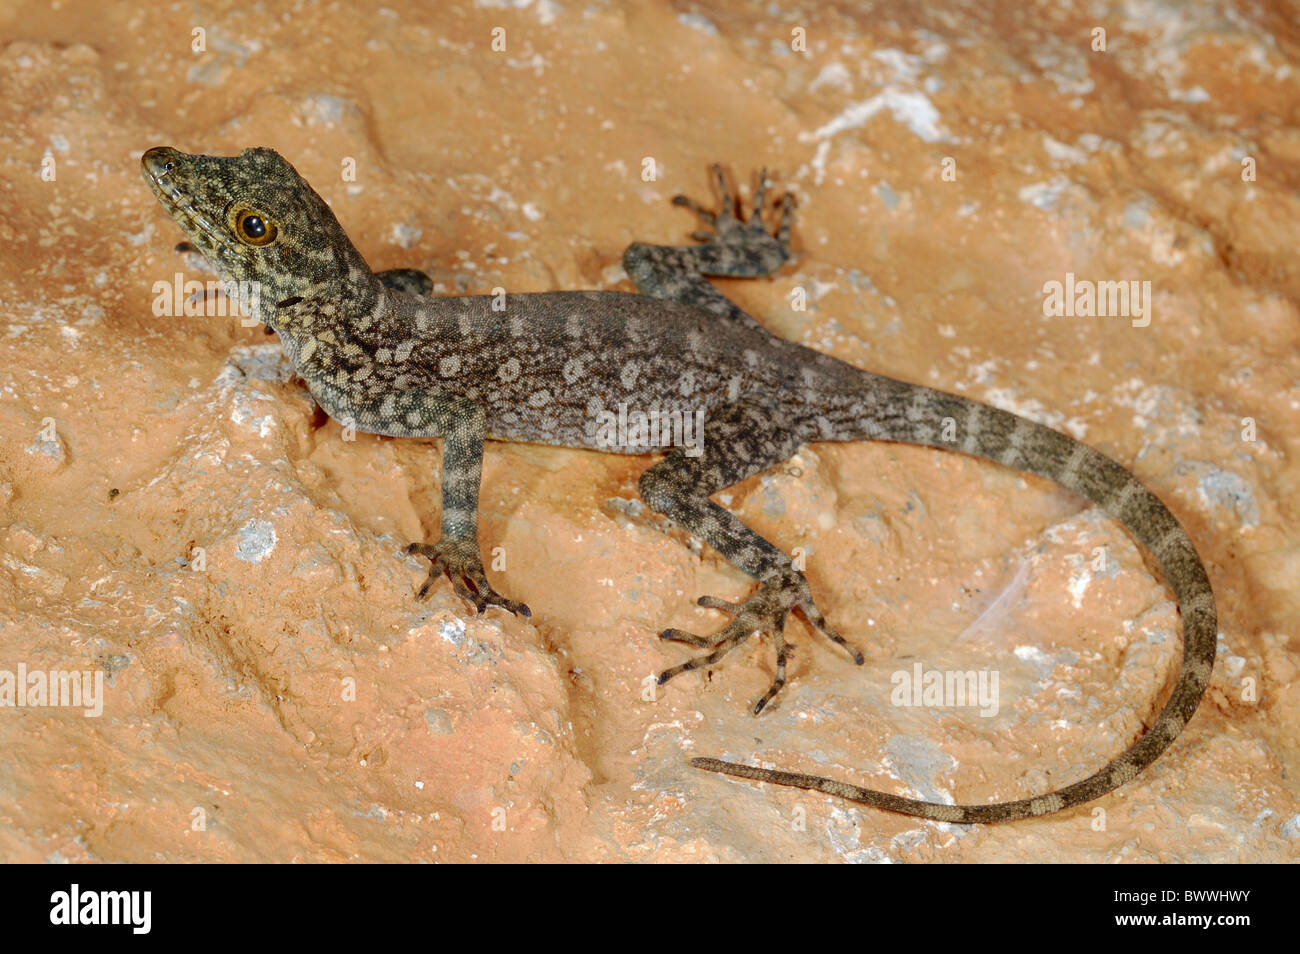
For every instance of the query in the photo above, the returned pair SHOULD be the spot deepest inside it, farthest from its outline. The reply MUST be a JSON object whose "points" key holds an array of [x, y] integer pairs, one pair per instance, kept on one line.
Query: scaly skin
{"points": [[379, 354]]}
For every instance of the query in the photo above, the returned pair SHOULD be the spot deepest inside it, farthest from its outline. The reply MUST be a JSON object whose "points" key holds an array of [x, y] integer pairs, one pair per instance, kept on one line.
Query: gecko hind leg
{"points": [[738, 441]]}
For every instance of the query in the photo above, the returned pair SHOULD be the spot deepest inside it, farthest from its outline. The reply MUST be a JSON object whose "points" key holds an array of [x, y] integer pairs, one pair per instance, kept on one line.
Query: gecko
{"points": [[380, 353]]}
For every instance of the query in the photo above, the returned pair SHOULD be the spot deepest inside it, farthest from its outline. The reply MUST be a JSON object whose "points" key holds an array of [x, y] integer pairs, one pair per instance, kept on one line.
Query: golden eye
{"points": [[253, 228]]}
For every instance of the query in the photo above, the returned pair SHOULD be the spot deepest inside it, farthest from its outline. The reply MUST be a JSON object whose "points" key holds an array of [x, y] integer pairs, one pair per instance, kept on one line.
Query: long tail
{"points": [[915, 415]]}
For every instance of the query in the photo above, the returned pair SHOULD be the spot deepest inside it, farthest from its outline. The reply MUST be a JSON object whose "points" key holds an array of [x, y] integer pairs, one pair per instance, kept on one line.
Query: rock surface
{"points": [[172, 519]]}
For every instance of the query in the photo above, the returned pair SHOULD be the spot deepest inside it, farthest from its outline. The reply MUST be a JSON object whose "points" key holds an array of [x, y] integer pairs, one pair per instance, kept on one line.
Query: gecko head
{"points": [[257, 221]]}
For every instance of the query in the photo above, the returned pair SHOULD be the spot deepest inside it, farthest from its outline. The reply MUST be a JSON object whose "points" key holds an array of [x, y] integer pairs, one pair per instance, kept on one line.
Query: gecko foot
{"points": [[460, 560], [764, 612], [762, 253]]}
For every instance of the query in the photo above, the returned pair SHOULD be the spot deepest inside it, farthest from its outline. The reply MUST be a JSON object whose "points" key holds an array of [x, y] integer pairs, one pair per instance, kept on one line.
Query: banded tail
{"points": [[915, 415]]}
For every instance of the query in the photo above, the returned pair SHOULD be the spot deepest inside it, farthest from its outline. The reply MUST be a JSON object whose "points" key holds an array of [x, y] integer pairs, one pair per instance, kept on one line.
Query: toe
{"points": [[464, 592], [712, 602], [512, 606], [695, 207], [672, 672], [428, 583], [724, 191], [681, 636]]}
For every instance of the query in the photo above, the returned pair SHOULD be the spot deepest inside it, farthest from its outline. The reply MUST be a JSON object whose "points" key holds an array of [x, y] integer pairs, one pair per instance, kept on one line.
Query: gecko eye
{"points": [[253, 228]]}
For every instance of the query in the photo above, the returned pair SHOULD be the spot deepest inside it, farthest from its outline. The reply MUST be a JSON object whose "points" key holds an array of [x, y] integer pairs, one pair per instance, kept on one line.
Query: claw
{"points": [[814, 616], [669, 673], [724, 192]]}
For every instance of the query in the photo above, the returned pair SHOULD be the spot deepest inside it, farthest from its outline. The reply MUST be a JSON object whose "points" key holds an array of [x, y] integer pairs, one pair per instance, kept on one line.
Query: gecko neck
{"points": [[331, 331], [348, 305]]}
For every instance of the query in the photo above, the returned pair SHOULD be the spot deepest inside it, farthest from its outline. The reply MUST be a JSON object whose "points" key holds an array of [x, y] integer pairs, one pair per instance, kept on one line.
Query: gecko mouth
{"points": [[159, 165]]}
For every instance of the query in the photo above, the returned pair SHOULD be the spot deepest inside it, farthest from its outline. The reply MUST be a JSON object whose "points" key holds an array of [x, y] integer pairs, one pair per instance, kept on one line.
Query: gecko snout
{"points": [[159, 161]]}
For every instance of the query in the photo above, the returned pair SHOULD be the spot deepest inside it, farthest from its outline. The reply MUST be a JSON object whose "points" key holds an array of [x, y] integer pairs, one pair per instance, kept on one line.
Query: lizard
{"points": [[386, 357]]}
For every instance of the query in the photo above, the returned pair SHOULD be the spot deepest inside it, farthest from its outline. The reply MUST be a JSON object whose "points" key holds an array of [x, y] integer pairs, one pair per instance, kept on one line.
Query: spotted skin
{"points": [[410, 280], [381, 355]]}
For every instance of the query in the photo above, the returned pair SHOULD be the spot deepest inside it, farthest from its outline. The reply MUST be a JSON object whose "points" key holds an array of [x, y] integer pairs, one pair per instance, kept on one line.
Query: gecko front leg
{"points": [[409, 280], [463, 427], [729, 247]]}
